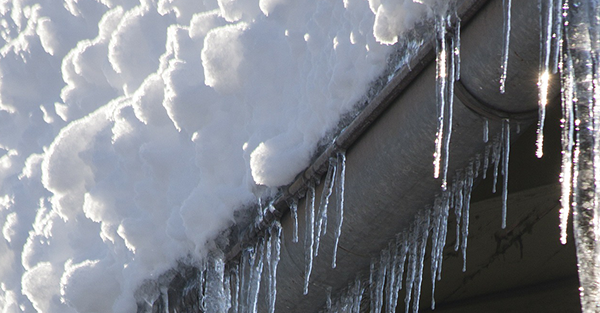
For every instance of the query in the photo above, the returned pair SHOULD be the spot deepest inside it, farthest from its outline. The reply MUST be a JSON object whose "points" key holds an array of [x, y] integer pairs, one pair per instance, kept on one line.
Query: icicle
{"points": [[505, 158], [567, 124], [215, 294], [446, 76], [357, 295], [458, 205], [477, 165], [450, 101], [583, 50], [441, 80], [384, 262], [294, 211], [557, 30], [442, 238], [202, 285], [456, 42], [438, 241], [486, 160], [235, 291], [341, 181], [391, 276], [321, 228], [227, 291], [486, 130], [505, 46], [244, 275], [373, 285], [255, 275], [546, 13], [267, 257], [309, 238], [412, 265], [328, 302], [496, 151], [423, 229], [400, 259], [468, 186], [273, 256]]}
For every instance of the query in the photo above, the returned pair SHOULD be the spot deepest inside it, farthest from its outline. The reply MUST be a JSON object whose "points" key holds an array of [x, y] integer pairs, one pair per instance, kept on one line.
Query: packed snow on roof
{"points": [[131, 131]]}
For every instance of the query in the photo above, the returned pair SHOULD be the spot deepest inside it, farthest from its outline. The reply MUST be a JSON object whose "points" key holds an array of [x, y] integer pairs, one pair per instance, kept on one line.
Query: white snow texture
{"points": [[130, 131]]}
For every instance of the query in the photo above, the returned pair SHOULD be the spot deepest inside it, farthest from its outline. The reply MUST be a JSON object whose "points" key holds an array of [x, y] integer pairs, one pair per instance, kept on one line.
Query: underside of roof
{"points": [[389, 183]]}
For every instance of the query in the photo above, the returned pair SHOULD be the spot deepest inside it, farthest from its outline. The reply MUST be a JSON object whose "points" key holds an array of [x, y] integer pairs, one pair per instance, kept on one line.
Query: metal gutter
{"points": [[389, 174]]}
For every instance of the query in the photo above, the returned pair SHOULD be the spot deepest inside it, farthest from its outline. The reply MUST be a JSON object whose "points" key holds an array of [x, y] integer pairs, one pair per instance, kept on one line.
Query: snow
{"points": [[131, 131]]}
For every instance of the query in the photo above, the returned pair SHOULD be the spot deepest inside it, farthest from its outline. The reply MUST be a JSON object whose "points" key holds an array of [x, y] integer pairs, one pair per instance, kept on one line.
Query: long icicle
{"points": [[506, 44], [273, 263], [294, 211], [321, 228], [505, 159], [423, 220], [568, 126], [468, 187], [546, 25], [441, 80], [582, 42], [309, 238], [340, 189], [451, 77]]}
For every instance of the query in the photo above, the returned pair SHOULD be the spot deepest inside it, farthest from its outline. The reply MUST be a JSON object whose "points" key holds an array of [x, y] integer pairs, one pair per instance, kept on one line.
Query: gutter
{"points": [[389, 173], [389, 148]]}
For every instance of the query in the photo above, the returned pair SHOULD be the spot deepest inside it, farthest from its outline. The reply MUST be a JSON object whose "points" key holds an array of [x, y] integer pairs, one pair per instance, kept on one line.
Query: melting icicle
{"points": [[583, 52], [458, 205], [341, 181], [321, 228], [235, 291], [496, 151], [568, 126], [202, 285], [486, 130], [357, 291], [505, 158], [486, 160], [255, 275], [441, 80], [423, 230], [505, 46], [391, 276], [384, 262], [468, 186], [328, 302], [399, 260], [215, 294], [227, 291], [546, 26], [373, 285], [456, 42], [294, 211], [447, 62], [309, 239], [243, 291], [438, 241], [273, 257], [412, 265]]}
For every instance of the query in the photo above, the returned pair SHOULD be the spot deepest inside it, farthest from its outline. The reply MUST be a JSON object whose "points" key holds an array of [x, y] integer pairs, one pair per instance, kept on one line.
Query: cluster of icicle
{"points": [[401, 264], [447, 48], [316, 222], [570, 42], [217, 287], [244, 281]]}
